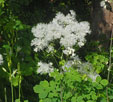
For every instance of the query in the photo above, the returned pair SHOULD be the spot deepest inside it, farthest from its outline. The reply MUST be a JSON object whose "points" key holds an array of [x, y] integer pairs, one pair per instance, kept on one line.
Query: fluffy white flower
{"points": [[82, 67], [65, 28], [87, 68], [39, 31], [68, 64], [68, 40], [1, 59], [73, 62], [45, 68], [39, 44], [69, 51], [76, 59]]}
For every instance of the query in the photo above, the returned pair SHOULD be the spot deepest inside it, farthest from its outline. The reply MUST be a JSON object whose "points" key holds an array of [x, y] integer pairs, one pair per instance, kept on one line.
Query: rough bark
{"points": [[101, 23]]}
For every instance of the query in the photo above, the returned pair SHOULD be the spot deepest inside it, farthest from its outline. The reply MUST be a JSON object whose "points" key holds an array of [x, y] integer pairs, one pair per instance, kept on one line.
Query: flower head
{"points": [[45, 68], [67, 29]]}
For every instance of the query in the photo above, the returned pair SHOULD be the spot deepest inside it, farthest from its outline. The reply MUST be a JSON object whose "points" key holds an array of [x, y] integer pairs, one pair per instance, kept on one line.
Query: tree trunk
{"points": [[101, 23]]}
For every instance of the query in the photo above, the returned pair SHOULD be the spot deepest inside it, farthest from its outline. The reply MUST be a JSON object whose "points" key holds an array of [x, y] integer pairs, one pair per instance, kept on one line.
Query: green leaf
{"points": [[15, 81], [55, 93], [80, 99], [93, 95], [89, 101], [38, 89], [52, 85], [99, 86], [67, 95], [73, 99], [2, 3], [62, 62], [26, 101], [104, 82], [17, 100], [54, 99], [87, 96], [51, 95], [47, 100], [44, 84], [110, 97], [78, 78], [98, 79], [43, 94], [6, 46]]}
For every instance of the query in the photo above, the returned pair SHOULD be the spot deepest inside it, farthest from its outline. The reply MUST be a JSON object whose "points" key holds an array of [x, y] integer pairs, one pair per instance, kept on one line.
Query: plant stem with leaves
{"points": [[19, 82], [10, 75]]}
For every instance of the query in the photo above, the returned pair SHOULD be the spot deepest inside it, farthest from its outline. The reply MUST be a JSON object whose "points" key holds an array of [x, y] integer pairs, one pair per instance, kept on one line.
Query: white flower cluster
{"points": [[82, 67], [73, 62], [67, 29], [87, 68], [45, 68], [1, 59], [69, 51]]}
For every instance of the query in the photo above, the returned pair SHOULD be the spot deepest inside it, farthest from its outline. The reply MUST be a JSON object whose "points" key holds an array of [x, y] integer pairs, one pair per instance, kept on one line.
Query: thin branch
{"points": [[110, 64]]}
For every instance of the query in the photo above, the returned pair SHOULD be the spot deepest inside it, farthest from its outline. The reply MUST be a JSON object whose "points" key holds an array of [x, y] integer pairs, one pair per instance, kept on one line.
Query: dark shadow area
{"points": [[35, 11]]}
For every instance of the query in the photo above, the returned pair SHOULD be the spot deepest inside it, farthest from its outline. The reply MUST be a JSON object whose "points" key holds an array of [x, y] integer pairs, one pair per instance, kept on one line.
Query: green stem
{"points": [[5, 94], [12, 91], [10, 71], [19, 88], [19, 81], [61, 97]]}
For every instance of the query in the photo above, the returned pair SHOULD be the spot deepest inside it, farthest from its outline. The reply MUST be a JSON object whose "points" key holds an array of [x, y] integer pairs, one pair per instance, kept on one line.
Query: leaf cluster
{"points": [[71, 87]]}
